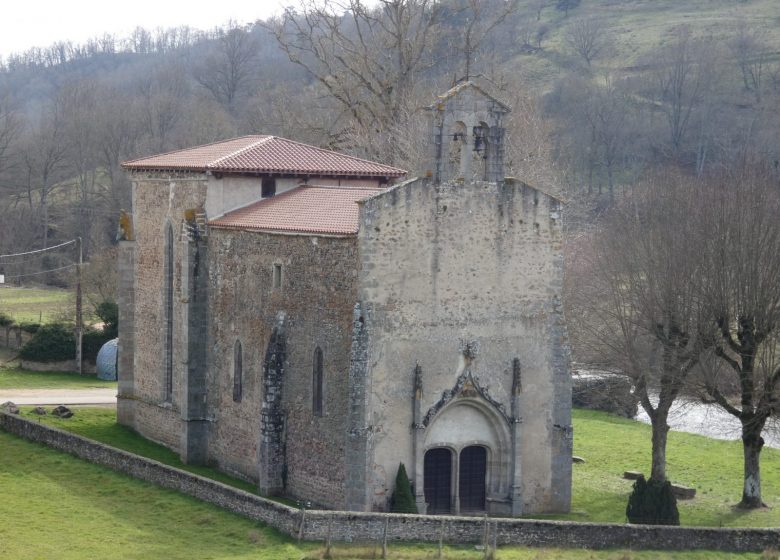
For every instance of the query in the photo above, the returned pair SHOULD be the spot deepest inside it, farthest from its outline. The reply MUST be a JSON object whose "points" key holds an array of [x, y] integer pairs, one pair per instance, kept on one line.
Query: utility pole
{"points": [[79, 318]]}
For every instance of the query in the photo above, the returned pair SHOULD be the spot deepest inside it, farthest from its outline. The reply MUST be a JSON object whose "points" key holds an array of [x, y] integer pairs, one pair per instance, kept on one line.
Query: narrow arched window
{"points": [[238, 372], [168, 315], [317, 383]]}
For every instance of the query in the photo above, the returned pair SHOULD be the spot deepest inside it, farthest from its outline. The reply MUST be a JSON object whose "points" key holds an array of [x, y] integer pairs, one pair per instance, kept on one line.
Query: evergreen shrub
{"points": [[5, 320], [54, 342], [652, 503], [108, 312], [30, 327], [402, 500], [92, 340]]}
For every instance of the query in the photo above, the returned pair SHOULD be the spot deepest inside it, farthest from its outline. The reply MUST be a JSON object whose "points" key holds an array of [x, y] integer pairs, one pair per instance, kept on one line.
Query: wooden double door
{"points": [[455, 482]]}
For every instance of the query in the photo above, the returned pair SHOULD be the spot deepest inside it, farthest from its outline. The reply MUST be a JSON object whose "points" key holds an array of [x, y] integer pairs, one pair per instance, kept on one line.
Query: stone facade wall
{"points": [[369, 527], [125, 409], [461, 278], [317, 293], [159, 199]]}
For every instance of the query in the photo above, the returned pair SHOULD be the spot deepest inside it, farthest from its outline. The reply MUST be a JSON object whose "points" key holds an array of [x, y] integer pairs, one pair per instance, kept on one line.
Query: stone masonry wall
{"points": [[317, 294], [125, 410], [456, 266], [369, 527], [159, 199]]}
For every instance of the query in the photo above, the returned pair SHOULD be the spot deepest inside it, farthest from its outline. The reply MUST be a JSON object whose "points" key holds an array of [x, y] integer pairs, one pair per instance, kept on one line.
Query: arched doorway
{"points": [[472, 477], [475, 433], [438, 480]]}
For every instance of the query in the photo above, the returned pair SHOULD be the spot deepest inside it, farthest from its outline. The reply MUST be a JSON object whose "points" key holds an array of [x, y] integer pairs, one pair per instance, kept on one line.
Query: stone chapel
{"points": [[308, 320]]}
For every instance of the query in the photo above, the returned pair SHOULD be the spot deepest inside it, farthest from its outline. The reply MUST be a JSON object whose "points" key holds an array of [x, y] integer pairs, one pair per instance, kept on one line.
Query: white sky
{"points": [[38, 23]]}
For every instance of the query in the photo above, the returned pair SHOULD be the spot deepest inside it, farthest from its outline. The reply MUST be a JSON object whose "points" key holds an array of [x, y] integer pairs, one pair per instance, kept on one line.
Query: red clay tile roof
{"points": [[264, 154], [305, 209]]}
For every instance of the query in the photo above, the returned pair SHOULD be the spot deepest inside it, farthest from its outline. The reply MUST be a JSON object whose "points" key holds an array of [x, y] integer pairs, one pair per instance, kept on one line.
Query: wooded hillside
{"points": [[604, 92]]}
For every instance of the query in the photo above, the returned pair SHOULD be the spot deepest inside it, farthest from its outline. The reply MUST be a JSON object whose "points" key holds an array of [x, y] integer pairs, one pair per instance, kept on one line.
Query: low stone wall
{"points": [[13, 337], [232, 499], [315, 525], [66, 365], [604, 391]]}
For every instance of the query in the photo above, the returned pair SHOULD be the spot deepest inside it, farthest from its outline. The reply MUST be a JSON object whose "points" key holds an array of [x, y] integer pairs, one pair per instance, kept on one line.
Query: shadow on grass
{"points": [[99, 424]]}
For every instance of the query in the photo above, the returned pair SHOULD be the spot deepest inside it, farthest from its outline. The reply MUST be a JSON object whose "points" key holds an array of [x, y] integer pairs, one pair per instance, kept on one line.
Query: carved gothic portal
{"points": [[465, 460]]}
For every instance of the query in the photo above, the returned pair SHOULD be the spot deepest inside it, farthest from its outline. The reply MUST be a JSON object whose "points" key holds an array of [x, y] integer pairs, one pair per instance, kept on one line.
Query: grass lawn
{"points": [[11, 378], [100, 424], [57, 506], [609, 444], [37, 304]]}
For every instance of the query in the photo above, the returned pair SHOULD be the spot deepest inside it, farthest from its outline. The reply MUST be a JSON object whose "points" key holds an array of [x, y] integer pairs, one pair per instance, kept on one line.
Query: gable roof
{"points": [[304, 209], [264, 155], [453, 91]]}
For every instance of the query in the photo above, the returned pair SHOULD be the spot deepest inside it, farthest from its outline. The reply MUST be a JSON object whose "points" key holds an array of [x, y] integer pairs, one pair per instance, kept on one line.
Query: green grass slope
{"points": [[609, 444], [636, 28], [34, 304], [13, 378], [56, 506], [612, 445]]}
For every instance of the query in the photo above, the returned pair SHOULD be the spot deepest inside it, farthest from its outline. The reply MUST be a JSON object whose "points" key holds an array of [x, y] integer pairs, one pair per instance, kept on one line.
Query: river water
{"points": [[695, 417]]}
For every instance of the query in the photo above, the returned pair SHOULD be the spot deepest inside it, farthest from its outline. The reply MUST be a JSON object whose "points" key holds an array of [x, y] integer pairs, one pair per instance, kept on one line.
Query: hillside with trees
{"points": [[642, 114], [603, 92]]}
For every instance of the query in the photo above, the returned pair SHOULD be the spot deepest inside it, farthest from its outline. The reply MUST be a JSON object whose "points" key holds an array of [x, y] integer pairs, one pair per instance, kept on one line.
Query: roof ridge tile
{"points": [[260, 140], [170, 152], [325, 150]]}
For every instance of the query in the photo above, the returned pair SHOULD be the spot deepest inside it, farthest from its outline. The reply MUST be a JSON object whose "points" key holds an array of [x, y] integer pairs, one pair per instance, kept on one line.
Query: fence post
{"points": [[303, 521], [384, 538], [327, 539], [485, 545]]}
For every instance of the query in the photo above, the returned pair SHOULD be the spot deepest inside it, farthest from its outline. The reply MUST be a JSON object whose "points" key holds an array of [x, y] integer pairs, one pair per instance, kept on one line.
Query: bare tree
{"points": [[751, 51], [227, 72], [682, 73], [162, 93], [368, 59], [588, 38], [44, 152], [119, 129], [477, 27], [744, 296], [82, 156], [530, 36], [566, 5], [10, 127], [529, 140], [539, 6], [607, 112], [633, 298]]}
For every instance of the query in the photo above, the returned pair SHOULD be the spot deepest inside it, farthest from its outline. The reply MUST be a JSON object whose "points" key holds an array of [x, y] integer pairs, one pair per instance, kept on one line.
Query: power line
{"points": [[39, 250], [34, 258], [41, 272]]}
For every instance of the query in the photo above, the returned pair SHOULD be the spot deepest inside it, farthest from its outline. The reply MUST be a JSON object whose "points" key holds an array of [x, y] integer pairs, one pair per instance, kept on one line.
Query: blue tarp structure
{"points": [[106, 361]]}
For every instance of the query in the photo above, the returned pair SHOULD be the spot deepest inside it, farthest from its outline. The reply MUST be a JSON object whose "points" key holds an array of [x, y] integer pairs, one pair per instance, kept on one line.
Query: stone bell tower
{"points": [[468, 136]]}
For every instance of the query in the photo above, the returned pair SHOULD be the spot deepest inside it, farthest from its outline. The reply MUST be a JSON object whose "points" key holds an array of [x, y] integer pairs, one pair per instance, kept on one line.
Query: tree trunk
{"points": [[752, 443], [660, 431]]}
